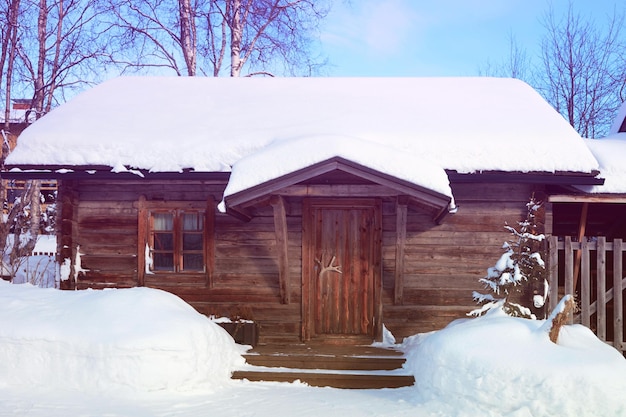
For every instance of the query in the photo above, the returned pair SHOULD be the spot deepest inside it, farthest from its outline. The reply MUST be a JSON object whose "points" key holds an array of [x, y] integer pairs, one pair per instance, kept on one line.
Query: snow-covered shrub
{"points": [[520, 266]]}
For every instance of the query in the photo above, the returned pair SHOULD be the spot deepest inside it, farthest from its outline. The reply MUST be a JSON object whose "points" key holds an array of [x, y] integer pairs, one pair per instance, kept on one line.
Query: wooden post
{"points": [[209, 241], [581, 235], [142, 240], [553, 272], [585, 281], [601, 288], [282, 246], [569, 271], [618, 302], [401, 219]]}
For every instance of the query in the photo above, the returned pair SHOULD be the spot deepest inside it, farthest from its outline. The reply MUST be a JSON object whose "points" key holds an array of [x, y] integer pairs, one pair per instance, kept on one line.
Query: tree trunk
{"points": [[188, 36], [11, 48], [236, 35], [42, 21]]}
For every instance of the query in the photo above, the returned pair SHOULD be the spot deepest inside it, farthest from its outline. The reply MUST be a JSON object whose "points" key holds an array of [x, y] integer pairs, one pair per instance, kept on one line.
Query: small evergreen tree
{"points": [[520, 266]]}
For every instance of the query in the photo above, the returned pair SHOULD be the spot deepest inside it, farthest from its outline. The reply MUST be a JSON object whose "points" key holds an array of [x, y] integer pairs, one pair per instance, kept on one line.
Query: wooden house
{"points": [[321, 208]]}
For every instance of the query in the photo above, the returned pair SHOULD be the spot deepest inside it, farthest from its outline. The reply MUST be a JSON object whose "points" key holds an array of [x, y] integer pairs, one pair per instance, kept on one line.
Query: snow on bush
{"points": [[509, 365], [136, 338]]}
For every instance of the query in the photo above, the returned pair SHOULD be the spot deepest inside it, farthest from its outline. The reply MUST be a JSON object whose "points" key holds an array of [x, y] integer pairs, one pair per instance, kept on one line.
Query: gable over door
{"points": [[341, 269]]}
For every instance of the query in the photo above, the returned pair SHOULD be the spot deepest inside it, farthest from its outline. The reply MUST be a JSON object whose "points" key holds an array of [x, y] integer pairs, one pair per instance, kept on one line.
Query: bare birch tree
{"points": [[60, 50], [216, 37], [583, 70]]}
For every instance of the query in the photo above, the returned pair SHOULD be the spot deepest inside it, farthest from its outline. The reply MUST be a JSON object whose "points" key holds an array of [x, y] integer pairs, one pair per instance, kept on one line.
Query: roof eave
{"points": [[535, 177], [434, 200]]}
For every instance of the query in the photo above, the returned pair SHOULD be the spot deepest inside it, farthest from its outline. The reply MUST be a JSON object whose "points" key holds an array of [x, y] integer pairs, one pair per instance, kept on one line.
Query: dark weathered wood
{"points": [[618, 300], [343, 241], [553, 272], [441, 263], [585, 287], [601, 287], [209, 240], [282, 245], [356, 367], [595, 298], [401, 218], [569, 268], [142, 243]]}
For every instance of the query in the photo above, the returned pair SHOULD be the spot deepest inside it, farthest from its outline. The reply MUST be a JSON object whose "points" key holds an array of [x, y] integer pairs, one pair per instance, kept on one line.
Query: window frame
{"points": [[145, 247]]}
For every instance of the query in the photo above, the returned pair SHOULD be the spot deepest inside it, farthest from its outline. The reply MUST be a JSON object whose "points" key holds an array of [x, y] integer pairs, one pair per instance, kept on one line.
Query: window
{"points": [[177, 240]]}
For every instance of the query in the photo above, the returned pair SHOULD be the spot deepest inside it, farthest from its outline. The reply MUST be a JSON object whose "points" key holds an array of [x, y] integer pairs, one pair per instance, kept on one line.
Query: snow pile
{"points": [[137, 338], [508, 366], [132, 351], [611, 154]]}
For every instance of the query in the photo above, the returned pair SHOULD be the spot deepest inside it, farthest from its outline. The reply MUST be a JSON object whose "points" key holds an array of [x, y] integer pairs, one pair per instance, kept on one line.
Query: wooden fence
{"points": [[592, 270]]}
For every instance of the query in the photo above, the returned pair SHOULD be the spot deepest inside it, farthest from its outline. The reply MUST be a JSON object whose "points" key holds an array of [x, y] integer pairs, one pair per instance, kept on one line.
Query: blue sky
{"points": [[438, 37]]}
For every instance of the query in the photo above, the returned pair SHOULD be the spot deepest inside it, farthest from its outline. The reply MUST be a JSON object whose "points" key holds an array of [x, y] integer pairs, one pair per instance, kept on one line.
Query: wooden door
{"points": [[341, 267]]}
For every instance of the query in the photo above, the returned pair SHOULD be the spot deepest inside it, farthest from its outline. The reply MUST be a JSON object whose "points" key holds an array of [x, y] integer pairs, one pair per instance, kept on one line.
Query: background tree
{"points": [[580, 71], [215, 37], [583, 71], [60, 50], [516, 65]]}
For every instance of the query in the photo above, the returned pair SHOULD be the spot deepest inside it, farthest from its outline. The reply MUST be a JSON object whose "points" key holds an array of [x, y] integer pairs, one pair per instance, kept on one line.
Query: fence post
{"points": [[585, 284], [553, 272], [601, 288], [568, 256], [618, 301]]}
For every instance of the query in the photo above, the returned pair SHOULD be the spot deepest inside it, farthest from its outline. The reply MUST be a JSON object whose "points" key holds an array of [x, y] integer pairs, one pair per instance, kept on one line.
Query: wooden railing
{"points": [[592, 270]]}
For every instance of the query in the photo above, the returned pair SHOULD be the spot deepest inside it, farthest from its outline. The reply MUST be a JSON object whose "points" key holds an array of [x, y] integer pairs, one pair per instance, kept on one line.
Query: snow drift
{"points": [[509, 365], [136, 338]]}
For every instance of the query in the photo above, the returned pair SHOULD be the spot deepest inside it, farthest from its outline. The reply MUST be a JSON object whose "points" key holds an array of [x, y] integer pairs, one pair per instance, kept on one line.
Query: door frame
{"points": [[309, 205]]}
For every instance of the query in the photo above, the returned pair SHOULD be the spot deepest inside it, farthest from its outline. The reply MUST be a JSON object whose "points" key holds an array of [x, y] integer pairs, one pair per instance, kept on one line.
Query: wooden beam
{"points": [[553, 272], [587, 198], [282, 246], [618, 302], [582, 226], [142, 239], [209, 241], [569, 271], [601, 287], [401, 220]]}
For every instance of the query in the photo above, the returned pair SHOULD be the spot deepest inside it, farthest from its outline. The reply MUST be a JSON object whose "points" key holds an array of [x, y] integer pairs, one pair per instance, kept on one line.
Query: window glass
{"points": [[192, 241], [192, 221], [193, 262], [177, 241], [163, 221], [163, 261], [163, 241]]}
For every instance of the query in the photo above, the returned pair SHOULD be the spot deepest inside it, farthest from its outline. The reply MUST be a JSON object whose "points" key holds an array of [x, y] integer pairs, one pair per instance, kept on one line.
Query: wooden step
{"points": [[321, 362], [357, 367], [335, 380]]}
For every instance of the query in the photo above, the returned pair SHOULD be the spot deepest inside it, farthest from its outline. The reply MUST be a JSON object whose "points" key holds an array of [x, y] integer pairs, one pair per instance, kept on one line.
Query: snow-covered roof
{"points": [[208, 124], [610, 152]]}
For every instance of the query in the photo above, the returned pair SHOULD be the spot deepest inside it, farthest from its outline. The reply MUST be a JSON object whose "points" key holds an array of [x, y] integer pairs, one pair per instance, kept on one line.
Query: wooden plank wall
{"points": [[443, 263], [441, 267], [102, 219]]}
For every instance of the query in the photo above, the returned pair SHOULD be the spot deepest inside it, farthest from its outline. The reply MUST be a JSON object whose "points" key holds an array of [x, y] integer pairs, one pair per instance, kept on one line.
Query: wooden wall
{"points": [[442, 263]]}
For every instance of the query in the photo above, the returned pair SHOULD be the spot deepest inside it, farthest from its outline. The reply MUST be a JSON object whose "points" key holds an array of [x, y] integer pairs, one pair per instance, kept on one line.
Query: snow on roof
{"points": [[610, 152], [208, 124], [619, 119], [262, 166]]}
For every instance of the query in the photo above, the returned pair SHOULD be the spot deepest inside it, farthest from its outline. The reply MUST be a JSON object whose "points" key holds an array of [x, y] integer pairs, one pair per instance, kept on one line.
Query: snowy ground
{"points": [[144, 352]]}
